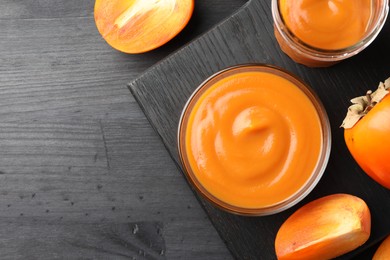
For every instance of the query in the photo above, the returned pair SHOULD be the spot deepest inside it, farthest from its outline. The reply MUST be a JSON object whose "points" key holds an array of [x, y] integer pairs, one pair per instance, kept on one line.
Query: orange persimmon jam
{"points": [[327, 24], [254, 140], [321, 33]]}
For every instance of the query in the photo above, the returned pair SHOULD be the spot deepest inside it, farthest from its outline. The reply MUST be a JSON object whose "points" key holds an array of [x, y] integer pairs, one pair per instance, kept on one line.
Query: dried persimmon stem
{"points": [[362, 105]]}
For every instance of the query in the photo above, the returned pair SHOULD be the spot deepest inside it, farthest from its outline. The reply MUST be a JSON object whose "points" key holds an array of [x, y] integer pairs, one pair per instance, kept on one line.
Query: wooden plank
{"points": [[78, 160], [59, 173], [245, 38], [27, 9], [141, 240], [37, 239]]}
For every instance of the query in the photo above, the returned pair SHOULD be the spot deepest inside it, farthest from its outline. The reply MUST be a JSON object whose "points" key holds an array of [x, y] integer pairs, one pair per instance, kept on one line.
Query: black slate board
{"points": [[247, 37]]}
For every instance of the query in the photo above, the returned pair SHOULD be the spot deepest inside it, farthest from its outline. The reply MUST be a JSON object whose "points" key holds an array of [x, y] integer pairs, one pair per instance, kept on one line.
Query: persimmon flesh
{"points": [[137, 26], [368, 139], [324, 229]]}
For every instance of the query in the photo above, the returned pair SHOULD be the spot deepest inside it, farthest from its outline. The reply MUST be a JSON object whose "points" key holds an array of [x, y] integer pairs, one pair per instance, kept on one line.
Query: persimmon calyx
{"points": [[363, 104]]}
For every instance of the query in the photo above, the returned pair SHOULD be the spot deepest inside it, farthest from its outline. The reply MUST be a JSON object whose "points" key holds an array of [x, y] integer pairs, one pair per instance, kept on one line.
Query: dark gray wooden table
{"points": [[82, 173]]}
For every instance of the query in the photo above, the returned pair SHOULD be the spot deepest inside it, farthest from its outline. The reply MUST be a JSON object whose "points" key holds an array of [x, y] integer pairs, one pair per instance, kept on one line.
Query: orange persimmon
{"points": [[324, 228], [383, 251], [367, 133], [136, 26]]}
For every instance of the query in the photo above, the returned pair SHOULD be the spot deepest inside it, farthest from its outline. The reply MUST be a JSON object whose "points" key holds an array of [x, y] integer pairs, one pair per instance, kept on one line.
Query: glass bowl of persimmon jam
{"points": [[254, 139], [321, 33]]}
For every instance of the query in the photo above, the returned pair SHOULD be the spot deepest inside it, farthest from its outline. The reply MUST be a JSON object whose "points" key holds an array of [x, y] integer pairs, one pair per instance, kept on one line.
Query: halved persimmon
{"points": [[324, 228], [137, 26]]}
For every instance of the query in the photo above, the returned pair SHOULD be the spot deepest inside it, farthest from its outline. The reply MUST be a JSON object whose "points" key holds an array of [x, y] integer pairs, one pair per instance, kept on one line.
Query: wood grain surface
{"points": [[82, 173], [247, 37]]}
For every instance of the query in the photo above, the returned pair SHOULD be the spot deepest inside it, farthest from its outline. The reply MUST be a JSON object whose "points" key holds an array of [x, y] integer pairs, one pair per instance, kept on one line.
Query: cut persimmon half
{"points": [[324, 229], [137, 26]]}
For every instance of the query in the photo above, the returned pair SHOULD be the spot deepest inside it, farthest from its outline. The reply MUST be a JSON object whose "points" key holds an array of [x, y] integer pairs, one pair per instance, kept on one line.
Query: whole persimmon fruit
{"points": [[383, 251], [137, 26], [367, 133]]}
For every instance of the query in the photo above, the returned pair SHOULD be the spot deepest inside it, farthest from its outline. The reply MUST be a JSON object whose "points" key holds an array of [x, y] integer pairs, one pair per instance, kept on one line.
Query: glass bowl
{"points": [[310, 182], [315, 57]]}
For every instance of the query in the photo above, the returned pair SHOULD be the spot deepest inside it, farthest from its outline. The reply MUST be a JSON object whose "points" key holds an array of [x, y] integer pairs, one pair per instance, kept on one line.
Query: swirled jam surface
{"points": [[253, 139], [327, 24]]}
